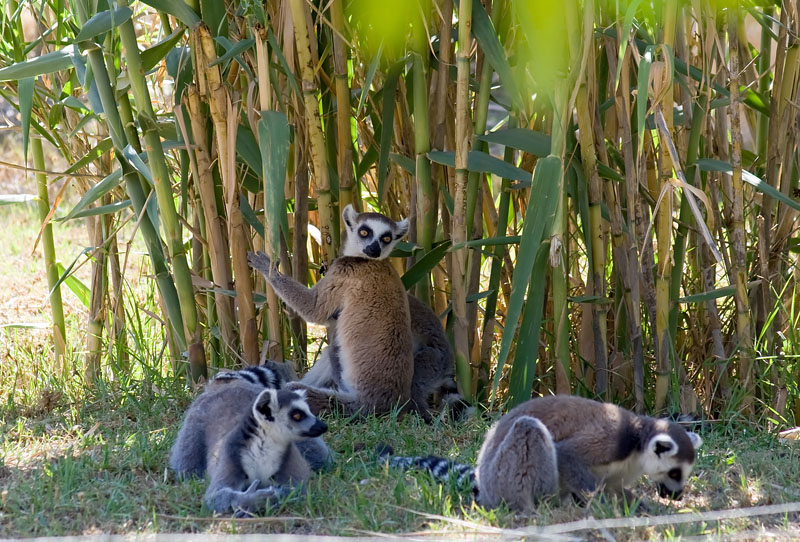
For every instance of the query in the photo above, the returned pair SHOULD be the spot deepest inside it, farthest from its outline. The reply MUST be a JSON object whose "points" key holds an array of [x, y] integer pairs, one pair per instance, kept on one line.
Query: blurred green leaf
{"points": [[274, 140], [178, 9], [482, 162]]}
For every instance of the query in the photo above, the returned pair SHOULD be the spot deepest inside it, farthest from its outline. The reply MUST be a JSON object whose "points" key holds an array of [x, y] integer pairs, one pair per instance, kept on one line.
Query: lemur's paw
{"points": [[261, 262]]}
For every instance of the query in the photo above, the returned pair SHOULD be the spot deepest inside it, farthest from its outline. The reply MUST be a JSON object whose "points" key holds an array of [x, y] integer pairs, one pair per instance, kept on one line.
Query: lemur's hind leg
{"points": [[576, 478], [522, 468]]}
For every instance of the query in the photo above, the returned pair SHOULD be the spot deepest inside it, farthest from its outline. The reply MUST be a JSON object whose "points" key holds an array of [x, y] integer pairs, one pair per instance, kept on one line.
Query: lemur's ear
{"points": [[349, 215], [265, 403], [402, 229], [695, 438]]}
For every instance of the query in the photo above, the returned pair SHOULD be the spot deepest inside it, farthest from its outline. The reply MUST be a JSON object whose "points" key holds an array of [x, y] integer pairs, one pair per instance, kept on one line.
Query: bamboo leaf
{"points": [[233, 51], [727, 291], [64, 274], [153, 55], [641, 94], [25, 91], [387, 124], [486, 35], [273, 43], [25, 325], [424, 265], [178, 9], [78, 288], [138, 164], [273, 139], [482, 162], [710, 164], [47, 63], [627, 23], [487, 242], [11, 199], [523, 139], [373, 66], [523, 369], [102, 22], [538, 218], [109, 209], [96, 192], [250, 217], [404, 162]]}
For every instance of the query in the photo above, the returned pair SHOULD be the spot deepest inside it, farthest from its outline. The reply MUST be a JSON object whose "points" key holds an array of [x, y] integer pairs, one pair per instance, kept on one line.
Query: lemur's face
{"points": [[668, 460], [370, 235], [287, 415]]}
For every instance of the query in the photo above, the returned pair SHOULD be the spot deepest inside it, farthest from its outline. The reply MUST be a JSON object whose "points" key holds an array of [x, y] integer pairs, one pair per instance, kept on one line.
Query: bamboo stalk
{"points": [[49, 251], [163, 188], [738, 239], [344, 143], [325, 207], [458, 272], [664, 230], [275, 344], [215, 226]]}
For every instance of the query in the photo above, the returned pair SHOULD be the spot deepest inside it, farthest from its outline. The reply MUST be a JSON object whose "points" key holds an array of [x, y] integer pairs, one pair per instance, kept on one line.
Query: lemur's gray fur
{"points": [[363, 295], [571, 445], [244, 437], [434, 366]]}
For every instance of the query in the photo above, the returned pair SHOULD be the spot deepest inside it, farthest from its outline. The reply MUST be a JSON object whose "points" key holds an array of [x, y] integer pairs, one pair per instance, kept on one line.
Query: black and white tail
{"points": [[443, 470], [256, 374]]}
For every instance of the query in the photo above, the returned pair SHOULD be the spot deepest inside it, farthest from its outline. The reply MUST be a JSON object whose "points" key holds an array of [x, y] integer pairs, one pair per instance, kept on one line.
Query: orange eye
{"points": [[387, 239], [298, 415], [363, 233]]}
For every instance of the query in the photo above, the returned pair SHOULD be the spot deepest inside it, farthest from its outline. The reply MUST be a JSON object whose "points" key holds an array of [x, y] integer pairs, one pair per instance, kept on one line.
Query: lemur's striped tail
{"points": [[440, 468]]}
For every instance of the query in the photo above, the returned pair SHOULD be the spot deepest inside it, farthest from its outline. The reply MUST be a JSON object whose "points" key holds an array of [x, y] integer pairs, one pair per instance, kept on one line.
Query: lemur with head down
{"points": [[569, 445]]}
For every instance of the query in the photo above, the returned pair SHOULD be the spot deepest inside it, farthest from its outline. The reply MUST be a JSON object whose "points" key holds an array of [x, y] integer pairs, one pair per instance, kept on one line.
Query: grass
{"points": [[83, 461], [98, 465]]}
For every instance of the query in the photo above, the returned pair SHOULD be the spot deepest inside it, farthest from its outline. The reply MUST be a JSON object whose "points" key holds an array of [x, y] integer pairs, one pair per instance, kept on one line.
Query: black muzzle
{"points": [[373, 250], [317, 429], [665, 492]]}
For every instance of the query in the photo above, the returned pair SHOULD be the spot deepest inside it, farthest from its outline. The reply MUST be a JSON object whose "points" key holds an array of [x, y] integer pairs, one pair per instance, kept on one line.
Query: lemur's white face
{"points": [[370, 235], [666, 465]]}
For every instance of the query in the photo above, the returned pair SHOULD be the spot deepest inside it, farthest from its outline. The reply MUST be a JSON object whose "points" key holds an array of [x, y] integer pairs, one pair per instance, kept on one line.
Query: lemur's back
{"points": [[373, 331]]}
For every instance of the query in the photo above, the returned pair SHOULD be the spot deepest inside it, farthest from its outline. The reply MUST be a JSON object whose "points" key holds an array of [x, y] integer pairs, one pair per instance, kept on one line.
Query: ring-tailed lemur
{"points": [[245, 436], [363, 295], [571, 445], [434, 365]]}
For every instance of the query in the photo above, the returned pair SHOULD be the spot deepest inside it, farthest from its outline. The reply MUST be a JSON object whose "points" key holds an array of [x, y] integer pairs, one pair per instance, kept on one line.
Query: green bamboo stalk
{"points": [[166, 204], [49, 251], [458, 273], [134, 187]]}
